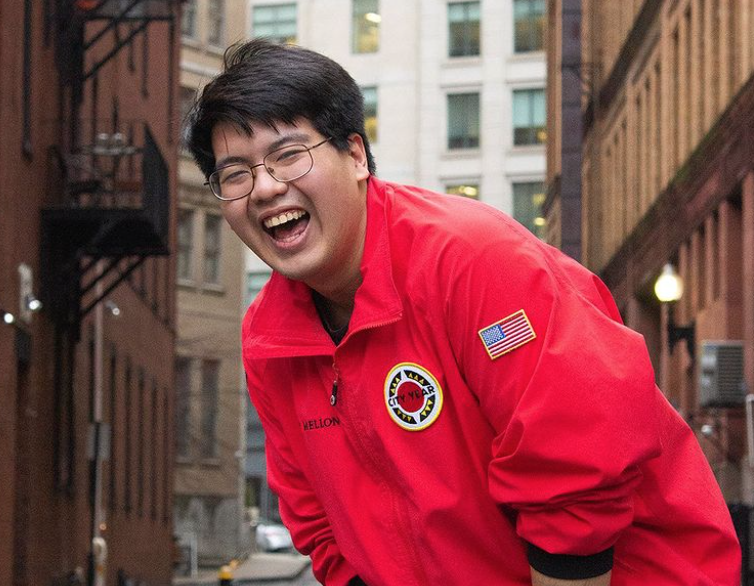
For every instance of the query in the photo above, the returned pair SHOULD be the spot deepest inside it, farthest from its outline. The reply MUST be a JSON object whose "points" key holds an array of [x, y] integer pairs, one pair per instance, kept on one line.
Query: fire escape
{"points": [[110, 179]]}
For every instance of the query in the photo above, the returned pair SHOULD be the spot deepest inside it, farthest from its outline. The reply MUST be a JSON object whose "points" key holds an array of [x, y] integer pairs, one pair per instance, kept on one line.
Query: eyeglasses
{"points": [[285, 164]]}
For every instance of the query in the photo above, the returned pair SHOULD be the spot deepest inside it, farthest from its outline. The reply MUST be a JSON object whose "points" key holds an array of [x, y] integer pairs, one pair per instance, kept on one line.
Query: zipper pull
{"points": [[334, 394]]}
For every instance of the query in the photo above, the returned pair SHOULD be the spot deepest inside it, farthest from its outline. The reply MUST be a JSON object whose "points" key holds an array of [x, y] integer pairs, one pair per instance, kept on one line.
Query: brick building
{"points": [[87, 169], [667, 108]]}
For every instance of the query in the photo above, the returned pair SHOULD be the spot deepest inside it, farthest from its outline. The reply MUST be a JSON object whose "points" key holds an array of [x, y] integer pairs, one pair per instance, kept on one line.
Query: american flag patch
{"points": [[507, 334]]}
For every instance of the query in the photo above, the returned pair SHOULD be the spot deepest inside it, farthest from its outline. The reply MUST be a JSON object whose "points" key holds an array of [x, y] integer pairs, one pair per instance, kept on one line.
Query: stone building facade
{"points": [[210, 388]]}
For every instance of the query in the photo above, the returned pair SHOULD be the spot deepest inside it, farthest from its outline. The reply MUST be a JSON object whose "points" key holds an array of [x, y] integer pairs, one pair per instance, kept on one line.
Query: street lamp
{"points": [[669, 289]]}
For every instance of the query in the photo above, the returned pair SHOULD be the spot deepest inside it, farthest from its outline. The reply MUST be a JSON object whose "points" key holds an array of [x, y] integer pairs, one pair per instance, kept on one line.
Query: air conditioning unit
{"points": [[721, 374]]}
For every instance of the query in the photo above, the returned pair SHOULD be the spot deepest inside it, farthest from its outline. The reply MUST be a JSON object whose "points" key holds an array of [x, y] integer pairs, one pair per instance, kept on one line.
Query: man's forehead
{"points": [[228, 138], [260, 134]]}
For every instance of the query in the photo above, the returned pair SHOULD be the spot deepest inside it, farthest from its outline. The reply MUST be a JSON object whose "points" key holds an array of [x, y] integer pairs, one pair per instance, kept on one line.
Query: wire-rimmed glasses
{"points": [[288, 163]]}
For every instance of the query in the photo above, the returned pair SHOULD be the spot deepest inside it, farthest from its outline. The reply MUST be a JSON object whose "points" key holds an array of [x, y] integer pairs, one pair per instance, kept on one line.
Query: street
{"points": [[305, 579]]}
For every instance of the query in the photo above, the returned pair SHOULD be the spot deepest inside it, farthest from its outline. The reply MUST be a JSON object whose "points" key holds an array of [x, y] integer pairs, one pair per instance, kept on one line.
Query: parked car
{"points": [[273, 536]]}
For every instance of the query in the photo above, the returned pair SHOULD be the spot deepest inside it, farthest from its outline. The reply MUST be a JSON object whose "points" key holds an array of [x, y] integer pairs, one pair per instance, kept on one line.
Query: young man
{"points": [[446, 399]]}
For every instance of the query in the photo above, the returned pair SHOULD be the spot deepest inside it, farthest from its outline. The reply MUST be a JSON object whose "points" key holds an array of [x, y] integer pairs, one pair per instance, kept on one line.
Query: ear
{"points": [[358, 154]]}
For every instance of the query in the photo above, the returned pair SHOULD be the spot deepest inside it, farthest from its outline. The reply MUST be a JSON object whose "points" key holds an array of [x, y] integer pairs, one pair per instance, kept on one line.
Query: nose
{"points": [[266, 187]]}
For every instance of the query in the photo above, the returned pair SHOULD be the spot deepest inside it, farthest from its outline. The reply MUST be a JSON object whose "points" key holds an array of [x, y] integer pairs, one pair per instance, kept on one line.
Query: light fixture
{"points": [[8, 317], [112, 307], [32, 303], [373, 17], [669, 286], [669, 289]]}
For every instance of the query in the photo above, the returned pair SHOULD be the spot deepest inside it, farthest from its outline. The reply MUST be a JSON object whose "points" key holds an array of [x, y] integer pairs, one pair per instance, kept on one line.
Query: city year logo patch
{"points": [[413, 396]]}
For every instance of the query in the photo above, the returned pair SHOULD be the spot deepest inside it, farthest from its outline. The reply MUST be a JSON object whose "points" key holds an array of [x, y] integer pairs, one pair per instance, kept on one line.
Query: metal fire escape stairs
{"points": [[108, 178], [115, 206]]}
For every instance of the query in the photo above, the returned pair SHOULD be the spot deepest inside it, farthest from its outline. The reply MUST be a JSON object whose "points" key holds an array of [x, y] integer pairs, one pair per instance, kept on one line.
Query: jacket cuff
{"points": [[569, 567]]}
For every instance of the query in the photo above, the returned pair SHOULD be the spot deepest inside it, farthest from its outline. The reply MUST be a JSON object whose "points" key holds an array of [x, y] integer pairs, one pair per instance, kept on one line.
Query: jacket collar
{"points": [[285, 322]]}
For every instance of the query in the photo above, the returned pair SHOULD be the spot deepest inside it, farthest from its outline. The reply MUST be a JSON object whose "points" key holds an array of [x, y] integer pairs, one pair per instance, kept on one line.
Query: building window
{"points": [[275, 22], [188, 22], [463, 29], [26, 113], [529, 23], [463, 121], [370, 112], [212, 235], [128, 424], [141, 470], [216, 22], [470, 190], [183, 408], [254, 283], [209, 402], [187, 97], [529, 117], [185, 244], [527, 206], [365, 34]]}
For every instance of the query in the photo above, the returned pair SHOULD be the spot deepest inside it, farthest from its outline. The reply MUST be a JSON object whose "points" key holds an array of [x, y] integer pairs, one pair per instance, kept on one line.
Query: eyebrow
{"points": [[294, 137]]}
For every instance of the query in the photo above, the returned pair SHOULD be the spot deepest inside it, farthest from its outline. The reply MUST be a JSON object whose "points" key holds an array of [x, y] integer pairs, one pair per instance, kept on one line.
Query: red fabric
{"points": [[564, 442]]}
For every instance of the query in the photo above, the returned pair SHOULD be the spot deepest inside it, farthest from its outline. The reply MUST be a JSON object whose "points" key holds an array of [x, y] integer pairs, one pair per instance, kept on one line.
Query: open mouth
{"points": [[286, 226]]}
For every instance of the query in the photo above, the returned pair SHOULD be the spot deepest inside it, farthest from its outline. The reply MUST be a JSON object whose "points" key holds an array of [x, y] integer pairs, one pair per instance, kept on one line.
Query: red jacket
{"points": [[487, 396]]}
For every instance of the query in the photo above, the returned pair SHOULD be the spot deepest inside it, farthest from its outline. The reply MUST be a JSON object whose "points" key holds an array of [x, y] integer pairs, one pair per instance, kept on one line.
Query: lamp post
{"points": [[669, 289]]}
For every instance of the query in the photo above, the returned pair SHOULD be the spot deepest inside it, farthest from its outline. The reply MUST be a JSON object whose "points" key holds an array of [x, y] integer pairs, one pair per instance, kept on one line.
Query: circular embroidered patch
{"points": [[413, 396]]}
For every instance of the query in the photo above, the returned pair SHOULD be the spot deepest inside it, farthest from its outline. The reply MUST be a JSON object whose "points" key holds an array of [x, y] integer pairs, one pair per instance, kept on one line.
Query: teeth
{"points": [[283, 218]]}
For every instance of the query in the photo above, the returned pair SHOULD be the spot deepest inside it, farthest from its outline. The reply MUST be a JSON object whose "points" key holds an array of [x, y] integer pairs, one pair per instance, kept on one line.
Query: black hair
{"points": [[268, 83]]}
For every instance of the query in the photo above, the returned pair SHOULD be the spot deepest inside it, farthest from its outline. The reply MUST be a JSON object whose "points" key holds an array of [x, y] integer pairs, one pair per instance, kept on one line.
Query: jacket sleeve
{"points": [[574, 410], [300, 508]]}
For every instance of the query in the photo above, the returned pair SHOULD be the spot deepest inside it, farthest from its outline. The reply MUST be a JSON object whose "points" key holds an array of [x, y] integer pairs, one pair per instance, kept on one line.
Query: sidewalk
{"points": [[258, 567], [264, 567]]}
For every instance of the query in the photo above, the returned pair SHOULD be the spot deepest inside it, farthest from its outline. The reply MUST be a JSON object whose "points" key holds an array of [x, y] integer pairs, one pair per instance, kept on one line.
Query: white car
{"points": [[272, 536]]}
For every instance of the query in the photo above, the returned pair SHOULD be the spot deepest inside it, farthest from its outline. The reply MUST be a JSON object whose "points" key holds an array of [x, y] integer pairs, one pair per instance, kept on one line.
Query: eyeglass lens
{"points": [[284, 164]]}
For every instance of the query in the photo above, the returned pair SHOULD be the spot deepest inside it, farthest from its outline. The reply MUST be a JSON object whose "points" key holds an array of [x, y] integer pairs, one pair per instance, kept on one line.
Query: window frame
{"points": [[210, 412], [371, 120], [275, 23], [186, 249], [183, 392], [216, 23], [212, 255], [529, 189], [365, 33], [470, 46], [530, 135], [189, 7], [470, 140], [535, 23], [457, 187]]}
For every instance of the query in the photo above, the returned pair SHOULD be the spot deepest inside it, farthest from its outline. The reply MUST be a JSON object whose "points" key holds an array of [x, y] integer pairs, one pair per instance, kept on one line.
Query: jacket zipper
{"points": [[334, 392], [336, 380]]}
